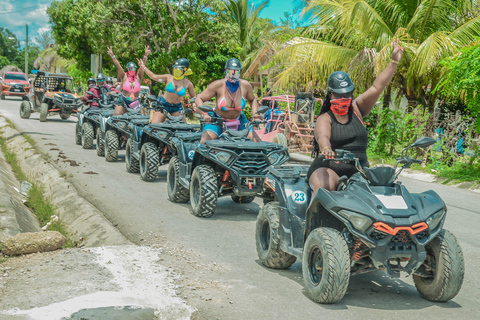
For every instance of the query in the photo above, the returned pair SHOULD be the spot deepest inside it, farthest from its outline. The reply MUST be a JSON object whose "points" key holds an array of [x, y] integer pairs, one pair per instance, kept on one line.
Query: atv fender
{"points": [[80, 117]]}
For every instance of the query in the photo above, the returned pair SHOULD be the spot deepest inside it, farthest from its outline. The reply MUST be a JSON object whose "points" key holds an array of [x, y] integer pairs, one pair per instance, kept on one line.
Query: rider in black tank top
{"points": [[351, 136]]}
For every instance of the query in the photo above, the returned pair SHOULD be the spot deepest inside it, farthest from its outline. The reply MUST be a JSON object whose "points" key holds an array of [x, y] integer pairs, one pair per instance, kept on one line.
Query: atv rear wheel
{"points": [[132, 164], [149, 162], [444, 266], [268, 239], [203, 191], [25, 110], [176, 191], [111, 146], [326, 265], [242, 199], [99, 146], [281, 139], [43, 112], [78, 135], [88, 135]]}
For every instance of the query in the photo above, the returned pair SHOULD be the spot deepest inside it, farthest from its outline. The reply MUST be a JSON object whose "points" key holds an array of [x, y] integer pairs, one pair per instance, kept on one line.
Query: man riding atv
{"points": [[61, 86]]}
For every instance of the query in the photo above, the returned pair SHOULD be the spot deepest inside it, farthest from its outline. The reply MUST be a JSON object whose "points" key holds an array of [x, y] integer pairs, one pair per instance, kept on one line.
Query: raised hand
{"points": [[397, 51], [141, 64], [110, 51], [147, 51]]}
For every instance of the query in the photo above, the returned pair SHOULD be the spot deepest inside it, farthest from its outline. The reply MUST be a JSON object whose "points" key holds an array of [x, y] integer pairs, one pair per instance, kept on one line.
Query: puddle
{"points": [[117, 313]]}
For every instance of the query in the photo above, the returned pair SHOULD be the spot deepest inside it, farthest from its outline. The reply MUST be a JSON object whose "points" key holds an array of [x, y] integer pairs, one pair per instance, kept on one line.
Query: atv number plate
{"points": [[299, 197], [191, 153]]}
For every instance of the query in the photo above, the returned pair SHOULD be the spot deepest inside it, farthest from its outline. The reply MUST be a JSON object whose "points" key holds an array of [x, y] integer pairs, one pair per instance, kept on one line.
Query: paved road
{"points": [[221, 273]]}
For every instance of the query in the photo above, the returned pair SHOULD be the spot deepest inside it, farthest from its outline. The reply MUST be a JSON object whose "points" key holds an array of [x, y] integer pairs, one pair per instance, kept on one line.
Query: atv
{"points": [[232, 165], [51, 94], [370, 222], [88, 123], [115, 131], [150, 147]]}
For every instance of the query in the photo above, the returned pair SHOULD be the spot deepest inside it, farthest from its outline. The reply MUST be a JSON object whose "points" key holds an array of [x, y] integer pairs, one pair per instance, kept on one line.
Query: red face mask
{"points": [[340, 106]]}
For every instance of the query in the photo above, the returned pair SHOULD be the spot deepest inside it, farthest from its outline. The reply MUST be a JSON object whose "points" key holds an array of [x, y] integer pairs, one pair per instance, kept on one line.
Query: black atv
{"points": [[371, 222], [88, 124], [150, 147], [115, 131], [49, 97], [233, 165]]}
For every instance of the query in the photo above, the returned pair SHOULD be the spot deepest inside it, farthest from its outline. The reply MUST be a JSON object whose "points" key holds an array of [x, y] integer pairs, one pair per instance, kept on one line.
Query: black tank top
{"points": [[351, 136]]}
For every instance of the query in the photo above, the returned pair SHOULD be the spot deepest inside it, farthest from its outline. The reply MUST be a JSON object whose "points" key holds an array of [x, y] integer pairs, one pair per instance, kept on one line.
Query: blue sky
{"points": [[15, 14]]}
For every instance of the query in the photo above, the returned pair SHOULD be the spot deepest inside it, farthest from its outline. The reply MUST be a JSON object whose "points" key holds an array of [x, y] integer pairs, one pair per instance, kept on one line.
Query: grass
{"points": [[36, 201]]}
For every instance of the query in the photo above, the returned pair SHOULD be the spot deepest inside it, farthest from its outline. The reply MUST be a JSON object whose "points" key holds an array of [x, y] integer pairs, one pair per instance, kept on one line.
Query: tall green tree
{"points": [[9, 45], [357, 36]]}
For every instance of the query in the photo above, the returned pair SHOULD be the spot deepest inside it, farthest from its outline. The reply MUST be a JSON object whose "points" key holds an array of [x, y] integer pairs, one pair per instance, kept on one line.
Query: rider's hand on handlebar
{"points": [[206, 117], [328, 153]]}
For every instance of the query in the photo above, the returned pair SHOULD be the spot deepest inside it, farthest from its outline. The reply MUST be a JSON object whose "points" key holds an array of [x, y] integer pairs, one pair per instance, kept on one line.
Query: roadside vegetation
{"points": [[36, 200]]}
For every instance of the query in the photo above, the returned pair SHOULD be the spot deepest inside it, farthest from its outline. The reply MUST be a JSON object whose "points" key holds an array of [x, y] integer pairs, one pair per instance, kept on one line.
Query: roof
{"points": [[53, 75], [14, 72]]}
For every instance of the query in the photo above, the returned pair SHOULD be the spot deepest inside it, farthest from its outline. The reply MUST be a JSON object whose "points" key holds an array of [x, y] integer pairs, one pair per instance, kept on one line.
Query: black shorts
{"points": [[342, 169]]}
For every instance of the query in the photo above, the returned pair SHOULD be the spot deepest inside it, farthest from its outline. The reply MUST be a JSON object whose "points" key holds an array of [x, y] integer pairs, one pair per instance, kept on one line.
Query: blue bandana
{"points": [[233, 86]]}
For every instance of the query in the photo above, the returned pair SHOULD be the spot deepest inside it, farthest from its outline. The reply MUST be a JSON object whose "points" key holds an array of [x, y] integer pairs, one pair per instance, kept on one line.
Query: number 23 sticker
{"points": [[299, 197]]}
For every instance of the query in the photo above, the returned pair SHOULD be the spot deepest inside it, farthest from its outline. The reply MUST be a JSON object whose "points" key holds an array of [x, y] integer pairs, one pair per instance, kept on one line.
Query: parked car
{"points": [[53, 94], [14, 84]]}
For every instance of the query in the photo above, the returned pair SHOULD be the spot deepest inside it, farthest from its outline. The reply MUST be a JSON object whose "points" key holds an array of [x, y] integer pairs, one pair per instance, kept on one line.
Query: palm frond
{"points": [[467, 32]]}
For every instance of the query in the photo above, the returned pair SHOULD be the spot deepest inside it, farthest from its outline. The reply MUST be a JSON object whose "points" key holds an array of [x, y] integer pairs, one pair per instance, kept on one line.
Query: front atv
{"points": [[232, 165], [371, 222]]}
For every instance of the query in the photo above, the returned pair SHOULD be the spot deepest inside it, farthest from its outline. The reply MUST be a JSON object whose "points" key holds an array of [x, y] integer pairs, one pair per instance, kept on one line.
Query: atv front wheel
{"points": [[281, 139], [326, 265], [149, 162], [78, 135], [87, 135], [203, 191], [25, 110], [99, 146], [43, 112], [176, 191], [132, 164], [243, 199], [268, 239], [443, 269], [111, 146]]}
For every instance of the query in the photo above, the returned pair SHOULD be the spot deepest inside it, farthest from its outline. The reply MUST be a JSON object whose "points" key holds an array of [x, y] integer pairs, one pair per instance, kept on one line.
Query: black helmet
{"points": [[91, 80], [182, 63], [131, 65], [339, 82], [109, 79], [233, 64], [100, 76]]}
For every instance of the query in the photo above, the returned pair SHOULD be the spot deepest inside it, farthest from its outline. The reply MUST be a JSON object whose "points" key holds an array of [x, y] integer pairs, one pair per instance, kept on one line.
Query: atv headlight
{"points": [[162, 134], [273, 158], [223, 156], [358, 221], [435, 219]]}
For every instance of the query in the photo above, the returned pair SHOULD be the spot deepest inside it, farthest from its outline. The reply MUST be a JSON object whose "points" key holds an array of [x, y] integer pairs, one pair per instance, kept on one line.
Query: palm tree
{"points": [[357, 36], [245, 15]]}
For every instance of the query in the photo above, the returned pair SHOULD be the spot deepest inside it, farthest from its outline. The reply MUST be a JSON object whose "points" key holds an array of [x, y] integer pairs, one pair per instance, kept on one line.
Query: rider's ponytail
{"points": [[325, 107]]}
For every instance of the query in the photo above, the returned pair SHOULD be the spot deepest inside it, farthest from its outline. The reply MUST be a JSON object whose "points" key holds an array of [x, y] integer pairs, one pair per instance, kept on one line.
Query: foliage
{"points": [[4, 62], [349, 33], [390, 130], [8, 47], [462, 79]]}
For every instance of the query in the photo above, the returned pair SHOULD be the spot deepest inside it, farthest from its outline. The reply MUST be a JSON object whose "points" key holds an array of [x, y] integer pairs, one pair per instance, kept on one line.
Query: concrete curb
{"points": [[81, 218]]}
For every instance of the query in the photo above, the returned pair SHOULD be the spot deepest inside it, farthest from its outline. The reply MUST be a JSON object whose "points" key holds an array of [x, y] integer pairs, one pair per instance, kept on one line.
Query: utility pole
{"points": [[26, 52]]}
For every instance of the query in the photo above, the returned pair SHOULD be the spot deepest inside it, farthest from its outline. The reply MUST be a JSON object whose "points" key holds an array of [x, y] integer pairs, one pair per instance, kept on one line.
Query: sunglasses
{"points": [[101, 80], [232, 73], [132, 69]]}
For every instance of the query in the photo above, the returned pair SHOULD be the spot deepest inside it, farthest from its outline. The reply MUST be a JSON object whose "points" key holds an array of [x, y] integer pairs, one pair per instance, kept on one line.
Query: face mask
{"points": [[178, 74], [91, 85], [340, 106], [109, 85], [232, 78], [131, 73]]}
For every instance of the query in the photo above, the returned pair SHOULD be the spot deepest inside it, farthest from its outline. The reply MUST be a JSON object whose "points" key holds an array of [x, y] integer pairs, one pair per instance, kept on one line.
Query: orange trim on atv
{"points": [[414, 229]]}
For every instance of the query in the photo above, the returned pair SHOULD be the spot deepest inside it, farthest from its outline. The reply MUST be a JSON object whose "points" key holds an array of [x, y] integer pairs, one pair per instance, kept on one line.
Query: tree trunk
{"points": [[387, 97]]}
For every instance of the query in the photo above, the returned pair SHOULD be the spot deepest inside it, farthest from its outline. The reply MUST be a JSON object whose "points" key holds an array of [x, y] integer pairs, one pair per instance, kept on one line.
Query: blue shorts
{"points": [[218, 129], [127, 103], [170, 107]]}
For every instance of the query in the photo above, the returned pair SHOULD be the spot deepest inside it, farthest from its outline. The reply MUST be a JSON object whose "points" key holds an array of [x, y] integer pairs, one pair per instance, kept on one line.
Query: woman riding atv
{"points": [[340, 125], [230, 94], [130, 84], [176, 87], [92, 87], [109, 84]]}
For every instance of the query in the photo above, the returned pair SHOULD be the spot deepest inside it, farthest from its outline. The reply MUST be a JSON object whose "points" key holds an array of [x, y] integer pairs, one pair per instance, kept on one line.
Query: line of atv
{"points": [[370, 222]]}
